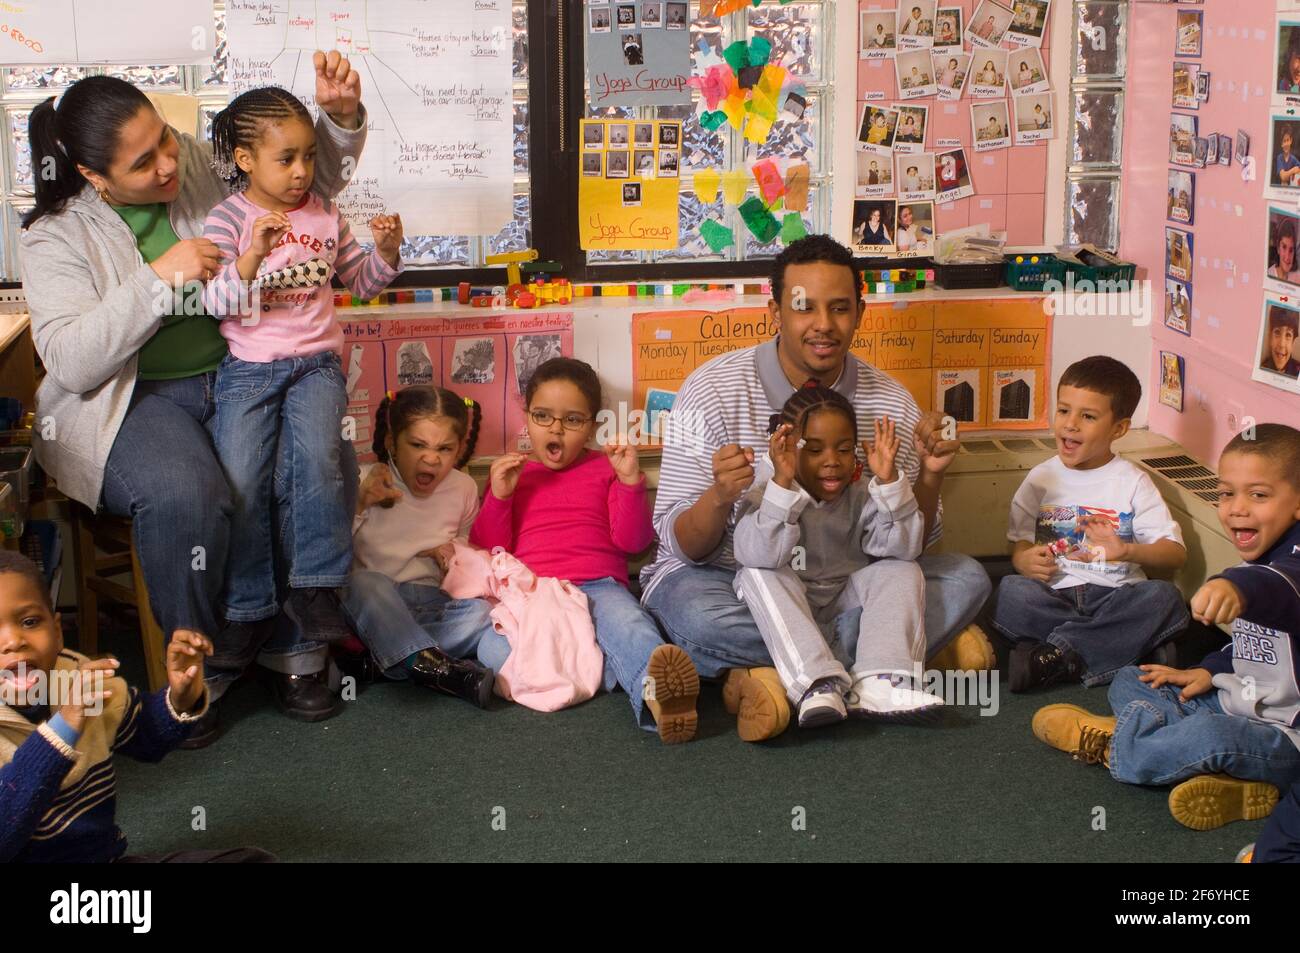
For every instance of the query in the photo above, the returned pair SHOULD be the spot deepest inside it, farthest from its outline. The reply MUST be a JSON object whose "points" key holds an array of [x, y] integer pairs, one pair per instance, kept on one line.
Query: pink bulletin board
{"points": [[1229, 228], [1010, 184], [484, 359]]}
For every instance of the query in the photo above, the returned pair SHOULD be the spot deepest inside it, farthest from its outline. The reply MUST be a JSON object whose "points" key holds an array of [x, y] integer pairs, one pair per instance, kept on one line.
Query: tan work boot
{"points": [[757, 699], [1213, 800], [1075, 731], [969, 651], [673, 687]]}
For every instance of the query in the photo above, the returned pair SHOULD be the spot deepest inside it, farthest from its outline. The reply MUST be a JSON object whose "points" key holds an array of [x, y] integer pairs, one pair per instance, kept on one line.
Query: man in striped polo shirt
{"points": [[718, 422]]}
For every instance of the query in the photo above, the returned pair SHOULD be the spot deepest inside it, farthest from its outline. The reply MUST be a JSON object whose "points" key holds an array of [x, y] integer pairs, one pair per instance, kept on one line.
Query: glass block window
{"points": [[802, 38], [22, 88], [1096, 129]]}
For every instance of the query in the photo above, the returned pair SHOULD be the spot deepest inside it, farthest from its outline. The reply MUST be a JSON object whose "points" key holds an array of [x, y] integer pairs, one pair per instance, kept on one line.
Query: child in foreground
{"points": [[1086, 527], [64, 716], [1227, 731], [814, 542], [413, 504], [578, 514]]}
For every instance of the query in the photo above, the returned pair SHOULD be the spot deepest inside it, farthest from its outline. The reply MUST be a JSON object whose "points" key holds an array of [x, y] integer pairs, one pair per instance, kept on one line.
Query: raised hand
{"points": [[1218, 602], [623, 458], [882, 451], [338, 87], [783, 449], [387, 232], [185, 654], [503, 475], [935, 453], [268, 229], [733, 472], [86, 693], [377, 489]]}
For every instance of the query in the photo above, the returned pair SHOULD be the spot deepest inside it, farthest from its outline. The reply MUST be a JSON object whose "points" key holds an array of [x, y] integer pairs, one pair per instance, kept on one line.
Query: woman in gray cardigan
{"points": [[113, 262]]}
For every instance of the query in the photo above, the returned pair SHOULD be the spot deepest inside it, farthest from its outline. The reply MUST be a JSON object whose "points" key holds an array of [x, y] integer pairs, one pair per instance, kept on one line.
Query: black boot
{"points": [[1039, 664], [461, 678], [304, 697], [319, 614], [238, 643]]}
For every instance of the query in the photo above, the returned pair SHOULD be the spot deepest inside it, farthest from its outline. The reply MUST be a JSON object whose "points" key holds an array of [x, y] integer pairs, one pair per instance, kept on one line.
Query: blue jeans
{"points": [[1107, 627], [1279, 841], [698, 609], [1160, 740], [162, 474], [308, 395], [626, 635], [396, 620]]}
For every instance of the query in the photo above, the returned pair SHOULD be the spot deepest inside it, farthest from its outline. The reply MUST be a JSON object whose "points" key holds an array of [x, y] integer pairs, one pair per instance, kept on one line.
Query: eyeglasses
{"points": [[544, 418]]}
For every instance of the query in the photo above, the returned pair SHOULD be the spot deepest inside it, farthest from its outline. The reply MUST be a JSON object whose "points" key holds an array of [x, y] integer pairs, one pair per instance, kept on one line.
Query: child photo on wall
{"points": [[1283, 230], [948, 30], [877, 130], [1178, 306], [1182, 139], [1028, 22], [989, 24], [1034, 118], [875, 176], [1178, 254], [911, 128], [873, 226], [991, 125], [914, 230], [915, 75], [1284, 170], [952, 176], [1287, 54], [914, 175], [1027, 73], [1279, 362], [988, 78], [878, 34], [951, 71], [1181, 201], [916, 24]]}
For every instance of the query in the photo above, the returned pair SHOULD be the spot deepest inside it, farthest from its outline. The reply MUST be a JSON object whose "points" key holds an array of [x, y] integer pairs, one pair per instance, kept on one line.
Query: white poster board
{"points": [[436, 81], [52, 32]]}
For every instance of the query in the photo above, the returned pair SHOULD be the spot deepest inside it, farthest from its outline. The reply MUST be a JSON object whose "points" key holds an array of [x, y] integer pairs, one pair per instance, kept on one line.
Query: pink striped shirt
{"points": [[293, 322], [580, 523]]}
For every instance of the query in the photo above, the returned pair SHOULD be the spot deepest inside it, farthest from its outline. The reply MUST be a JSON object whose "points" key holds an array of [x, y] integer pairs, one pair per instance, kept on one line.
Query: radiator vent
{"points": [[1188, 474]]}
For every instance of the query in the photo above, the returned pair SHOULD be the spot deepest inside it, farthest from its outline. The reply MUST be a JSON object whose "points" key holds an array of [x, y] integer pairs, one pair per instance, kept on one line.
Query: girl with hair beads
{"points": [[815, 542], [411, 507], [577, 514], [284, 366]]}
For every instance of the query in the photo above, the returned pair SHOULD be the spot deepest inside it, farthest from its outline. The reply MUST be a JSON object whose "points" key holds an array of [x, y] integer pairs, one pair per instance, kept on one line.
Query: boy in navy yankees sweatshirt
{"points": [[63, 716], [1169, 724]]}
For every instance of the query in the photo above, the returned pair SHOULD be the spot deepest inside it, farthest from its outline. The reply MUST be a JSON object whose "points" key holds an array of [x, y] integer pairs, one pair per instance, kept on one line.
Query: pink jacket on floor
{"points": [[554, 659]]}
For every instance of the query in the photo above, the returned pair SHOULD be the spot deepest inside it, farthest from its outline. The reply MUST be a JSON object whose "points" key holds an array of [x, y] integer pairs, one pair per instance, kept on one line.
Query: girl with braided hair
{"points": [[283, 378], [815, 541], [413, 504]]}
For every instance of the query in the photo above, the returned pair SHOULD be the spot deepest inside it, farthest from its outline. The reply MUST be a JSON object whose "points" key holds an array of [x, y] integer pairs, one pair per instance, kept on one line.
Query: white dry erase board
{"points": [[36, 32]]}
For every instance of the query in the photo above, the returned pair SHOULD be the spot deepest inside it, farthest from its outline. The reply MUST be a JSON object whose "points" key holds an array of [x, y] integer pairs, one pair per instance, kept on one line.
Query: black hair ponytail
{"points": [[83, 130], [398, 410]]}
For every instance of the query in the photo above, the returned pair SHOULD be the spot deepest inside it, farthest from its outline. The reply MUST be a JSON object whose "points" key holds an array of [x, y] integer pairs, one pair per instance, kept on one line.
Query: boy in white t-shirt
{"points": [[1086, 526]]}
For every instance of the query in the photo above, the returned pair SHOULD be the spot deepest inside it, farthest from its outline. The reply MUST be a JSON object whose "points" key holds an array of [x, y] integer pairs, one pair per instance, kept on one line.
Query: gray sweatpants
{"points": [[890, 637]]}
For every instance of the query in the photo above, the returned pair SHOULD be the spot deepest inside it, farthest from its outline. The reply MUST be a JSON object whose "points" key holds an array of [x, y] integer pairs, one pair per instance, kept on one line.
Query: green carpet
{"points": [[406, 775]]}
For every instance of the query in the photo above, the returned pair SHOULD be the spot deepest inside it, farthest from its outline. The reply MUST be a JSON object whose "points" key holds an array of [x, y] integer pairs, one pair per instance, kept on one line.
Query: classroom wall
{"points": [[1229, 227], [1010, 183]]}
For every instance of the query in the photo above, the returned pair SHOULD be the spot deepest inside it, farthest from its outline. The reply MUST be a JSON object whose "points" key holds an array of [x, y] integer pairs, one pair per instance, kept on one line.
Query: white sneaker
{"points": [[822, 704], [874, 697]]}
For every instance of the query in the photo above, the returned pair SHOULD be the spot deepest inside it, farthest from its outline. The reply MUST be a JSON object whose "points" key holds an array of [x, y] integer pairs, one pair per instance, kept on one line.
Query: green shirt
{"points": [[188, 343]]}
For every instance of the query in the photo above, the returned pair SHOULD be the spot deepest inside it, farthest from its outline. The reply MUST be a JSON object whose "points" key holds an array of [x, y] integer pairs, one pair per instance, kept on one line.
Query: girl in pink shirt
{"points": [[578, 514], [284, 361]]}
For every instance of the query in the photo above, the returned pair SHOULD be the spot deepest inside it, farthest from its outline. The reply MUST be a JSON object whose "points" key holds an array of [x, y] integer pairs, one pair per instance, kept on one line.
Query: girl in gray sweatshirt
{"points": [[815, 542]]}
